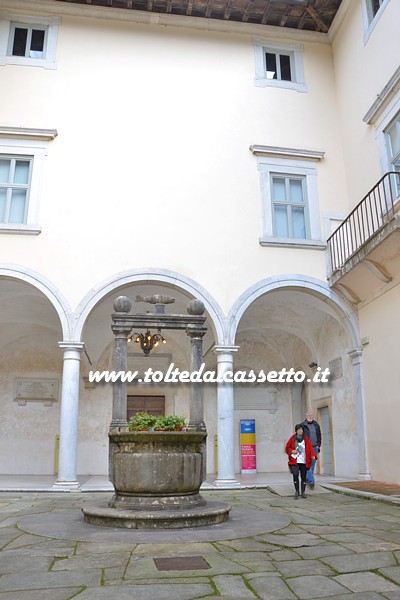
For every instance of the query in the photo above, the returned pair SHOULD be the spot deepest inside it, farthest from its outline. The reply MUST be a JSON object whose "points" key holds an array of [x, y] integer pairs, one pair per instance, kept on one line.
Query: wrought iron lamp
{"points": [[147, 341]]}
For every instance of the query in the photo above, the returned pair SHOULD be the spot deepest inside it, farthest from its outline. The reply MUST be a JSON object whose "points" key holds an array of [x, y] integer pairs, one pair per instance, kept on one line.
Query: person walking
{"points": [[301, 453], [313, 432]]}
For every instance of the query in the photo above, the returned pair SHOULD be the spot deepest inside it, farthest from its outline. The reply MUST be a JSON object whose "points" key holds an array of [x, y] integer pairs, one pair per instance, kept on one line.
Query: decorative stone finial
{"points": [[155, 299], [122, 304], [195, 307]]}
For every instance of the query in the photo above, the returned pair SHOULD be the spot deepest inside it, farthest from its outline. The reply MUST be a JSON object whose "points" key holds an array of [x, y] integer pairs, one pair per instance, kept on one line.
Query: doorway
{"points": [[326, 465], [154, 405]]}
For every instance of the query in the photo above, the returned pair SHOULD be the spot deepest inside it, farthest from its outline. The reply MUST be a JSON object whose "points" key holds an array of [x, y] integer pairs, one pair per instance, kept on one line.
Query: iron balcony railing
{"points": [[374, 210]]}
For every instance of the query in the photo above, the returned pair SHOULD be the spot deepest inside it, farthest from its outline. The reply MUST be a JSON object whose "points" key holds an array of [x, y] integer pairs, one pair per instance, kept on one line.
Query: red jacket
{"points": [[291, 445]]}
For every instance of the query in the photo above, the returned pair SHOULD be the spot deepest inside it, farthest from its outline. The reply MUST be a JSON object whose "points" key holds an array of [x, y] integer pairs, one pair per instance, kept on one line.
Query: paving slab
{"points": [[149, 592], [366, 561], [393, 573], [54, 594], [366, 582], [232, 585], [287, 489], [143, 567], [271, 588], [315, 586], [291, 568]]}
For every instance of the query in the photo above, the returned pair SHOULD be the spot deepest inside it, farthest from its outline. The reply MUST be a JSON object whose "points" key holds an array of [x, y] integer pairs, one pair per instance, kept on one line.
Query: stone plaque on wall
{"points": [[335, 369], [256, 399], [36, 390]]}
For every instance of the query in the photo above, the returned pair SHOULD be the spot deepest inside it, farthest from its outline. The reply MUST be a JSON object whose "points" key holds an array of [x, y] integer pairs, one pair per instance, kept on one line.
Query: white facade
{"points": [[156, 153]]}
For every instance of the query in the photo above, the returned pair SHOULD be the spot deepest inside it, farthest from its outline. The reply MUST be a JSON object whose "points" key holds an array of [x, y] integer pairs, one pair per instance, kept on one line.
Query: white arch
{"points": [[344, 312], [53, 294], [171, 278]]}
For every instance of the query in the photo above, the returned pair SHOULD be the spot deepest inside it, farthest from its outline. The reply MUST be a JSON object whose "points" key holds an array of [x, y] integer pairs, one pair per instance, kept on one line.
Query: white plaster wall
{"points": [[338, 394], [362, 70], [379, 323], [95, 410], [155, 125]]}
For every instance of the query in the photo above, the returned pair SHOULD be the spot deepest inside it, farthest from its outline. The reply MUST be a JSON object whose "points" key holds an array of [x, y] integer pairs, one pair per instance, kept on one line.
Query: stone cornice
{"points": [[260, 150], [28, 133], [382, 99]]}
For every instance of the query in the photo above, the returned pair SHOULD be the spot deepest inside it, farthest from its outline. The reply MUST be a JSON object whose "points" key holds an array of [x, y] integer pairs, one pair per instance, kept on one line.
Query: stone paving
{"points": [[329, 545]]}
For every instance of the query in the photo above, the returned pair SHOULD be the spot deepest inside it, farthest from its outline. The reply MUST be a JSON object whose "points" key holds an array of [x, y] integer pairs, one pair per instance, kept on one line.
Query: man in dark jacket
{"points": [[313, 432]]}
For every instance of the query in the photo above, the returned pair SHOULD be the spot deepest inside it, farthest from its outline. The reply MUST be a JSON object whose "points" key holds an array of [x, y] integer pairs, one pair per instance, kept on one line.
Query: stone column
{"points": [[196, 417], [122, 305], [196, 333], [119, 407], [69, 417], [226, 447], [356, 358]]}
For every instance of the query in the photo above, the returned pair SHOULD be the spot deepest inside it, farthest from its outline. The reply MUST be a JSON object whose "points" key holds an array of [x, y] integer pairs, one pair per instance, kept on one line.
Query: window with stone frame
{"points": [[15, 180], [28, 40], [289, 206], [279, 65], [22, 158]]}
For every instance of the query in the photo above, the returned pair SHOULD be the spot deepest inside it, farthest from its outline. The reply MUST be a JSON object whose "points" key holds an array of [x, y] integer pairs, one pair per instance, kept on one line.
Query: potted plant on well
{"points": [[144, 422]]}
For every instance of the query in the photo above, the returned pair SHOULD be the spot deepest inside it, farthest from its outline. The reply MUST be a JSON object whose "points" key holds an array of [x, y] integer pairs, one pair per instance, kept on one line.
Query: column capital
{"points": [[228, 349], [77, 346], [195, 331], [355, 354], [120, 330]]}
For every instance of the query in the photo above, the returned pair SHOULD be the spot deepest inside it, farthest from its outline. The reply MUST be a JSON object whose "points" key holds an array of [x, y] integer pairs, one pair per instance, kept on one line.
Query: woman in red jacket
{"points": [[300, 452]]}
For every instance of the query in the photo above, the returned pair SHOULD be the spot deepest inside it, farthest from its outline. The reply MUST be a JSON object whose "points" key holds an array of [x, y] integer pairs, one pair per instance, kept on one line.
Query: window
{"points": [[31, 41], [22, 154], [27, 41], [15, 177], [279, 65], [288, 196], [373, 7], [372, 11], [393, 144], [290, 209]]}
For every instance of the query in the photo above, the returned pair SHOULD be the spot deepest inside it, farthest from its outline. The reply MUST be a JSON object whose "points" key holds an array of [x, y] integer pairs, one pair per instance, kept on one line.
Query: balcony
{"points": [[364, 251]]}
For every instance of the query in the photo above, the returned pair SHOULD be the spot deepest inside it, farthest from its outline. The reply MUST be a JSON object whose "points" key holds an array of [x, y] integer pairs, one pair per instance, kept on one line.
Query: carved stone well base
{"points": [[157, 478], [210, 514]]}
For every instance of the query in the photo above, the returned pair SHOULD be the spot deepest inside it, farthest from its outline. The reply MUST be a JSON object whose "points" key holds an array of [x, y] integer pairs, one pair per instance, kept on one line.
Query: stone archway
{"points": [[93, 329], [300, 323], [34, 317]]}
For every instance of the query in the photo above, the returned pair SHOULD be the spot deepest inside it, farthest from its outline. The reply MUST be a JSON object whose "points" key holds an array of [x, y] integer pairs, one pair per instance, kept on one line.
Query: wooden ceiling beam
{"points": [[208, 9], [246, 13], [302, 20], [267, 12], [317, 19], [189, 8], [285, 17], [228, 10]]}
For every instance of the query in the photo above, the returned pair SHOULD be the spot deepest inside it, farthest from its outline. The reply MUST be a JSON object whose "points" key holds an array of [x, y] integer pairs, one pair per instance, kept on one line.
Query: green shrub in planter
{"points": [[145, 422], [142, 422], [170, 423]]}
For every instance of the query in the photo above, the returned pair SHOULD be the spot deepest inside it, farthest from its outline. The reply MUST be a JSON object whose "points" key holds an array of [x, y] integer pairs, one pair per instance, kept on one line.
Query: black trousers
{"points": [[296, 470]]}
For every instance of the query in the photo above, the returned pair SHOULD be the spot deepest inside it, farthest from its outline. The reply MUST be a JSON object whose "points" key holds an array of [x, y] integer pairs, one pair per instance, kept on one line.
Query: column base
{"points": [[364, 476], [226, 483], [66, 486]]}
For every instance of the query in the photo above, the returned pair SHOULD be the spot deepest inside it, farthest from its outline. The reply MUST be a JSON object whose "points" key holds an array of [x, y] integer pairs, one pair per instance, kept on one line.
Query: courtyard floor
{"points": [[330, 545]]}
